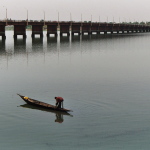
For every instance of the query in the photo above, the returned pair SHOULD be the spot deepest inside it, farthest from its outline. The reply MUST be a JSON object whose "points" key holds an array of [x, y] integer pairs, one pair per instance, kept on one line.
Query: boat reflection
{"points": [[59, 118], [59, 115]]}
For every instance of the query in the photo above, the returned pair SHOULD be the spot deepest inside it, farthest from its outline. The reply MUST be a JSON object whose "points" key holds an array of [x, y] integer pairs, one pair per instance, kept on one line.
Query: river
{"points": [[104, 79]]}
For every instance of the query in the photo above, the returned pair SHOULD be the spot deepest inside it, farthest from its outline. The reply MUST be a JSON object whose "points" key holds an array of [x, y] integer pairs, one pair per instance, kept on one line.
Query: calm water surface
{"points": [[105, 80]]}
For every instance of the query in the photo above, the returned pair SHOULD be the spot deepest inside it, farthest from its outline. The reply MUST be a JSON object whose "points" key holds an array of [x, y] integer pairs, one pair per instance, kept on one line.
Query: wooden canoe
{"points": [[42, 104]]}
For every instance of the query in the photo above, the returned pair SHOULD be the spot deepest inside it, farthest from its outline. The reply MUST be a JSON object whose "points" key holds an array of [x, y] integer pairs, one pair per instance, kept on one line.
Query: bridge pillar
{"points": [[2, 32], [105, 32], [86, 28], [37, 29], [64, 28], [95, 28], [19, 30], [75, 28], [52, 29]]}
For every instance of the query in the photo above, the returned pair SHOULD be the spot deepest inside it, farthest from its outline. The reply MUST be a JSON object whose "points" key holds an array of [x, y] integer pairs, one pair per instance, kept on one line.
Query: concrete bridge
{"points": [[70, 27]]}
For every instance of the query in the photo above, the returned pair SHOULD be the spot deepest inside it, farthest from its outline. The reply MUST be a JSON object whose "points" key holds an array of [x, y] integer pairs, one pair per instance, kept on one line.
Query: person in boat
{"points": [[59, 102]]}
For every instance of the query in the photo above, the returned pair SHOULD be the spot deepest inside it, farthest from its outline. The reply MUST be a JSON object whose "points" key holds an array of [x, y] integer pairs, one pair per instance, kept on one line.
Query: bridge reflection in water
{"points": [[52, 44], [2, 46]]}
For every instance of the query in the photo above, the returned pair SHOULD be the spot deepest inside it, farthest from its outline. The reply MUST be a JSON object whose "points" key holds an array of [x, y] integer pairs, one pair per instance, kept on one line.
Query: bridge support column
{"points": [[75, 28], [3, 37], [20, 30], [24, 36], [89, 33], [37, 29], [55, 34], [72, 33], [61, 33], [2, 32], [94, 28], [52, 29], [86, 28], [64, 28]]}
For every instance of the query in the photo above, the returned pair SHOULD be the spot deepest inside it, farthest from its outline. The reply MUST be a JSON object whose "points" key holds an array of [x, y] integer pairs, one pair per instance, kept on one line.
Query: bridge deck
{"points": [[67, 27]]}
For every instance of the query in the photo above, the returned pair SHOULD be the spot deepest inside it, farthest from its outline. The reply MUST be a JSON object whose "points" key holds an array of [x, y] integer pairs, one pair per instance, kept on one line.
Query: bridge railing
{"points": [[83, 22]]}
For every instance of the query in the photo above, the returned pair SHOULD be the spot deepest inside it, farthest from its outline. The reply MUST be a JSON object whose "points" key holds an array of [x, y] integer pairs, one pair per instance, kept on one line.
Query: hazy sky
{"points": [[126, 10]]}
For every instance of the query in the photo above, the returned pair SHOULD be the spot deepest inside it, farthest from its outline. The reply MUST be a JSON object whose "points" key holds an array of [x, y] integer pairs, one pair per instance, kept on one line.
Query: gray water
{"points": [[104, 79]]}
